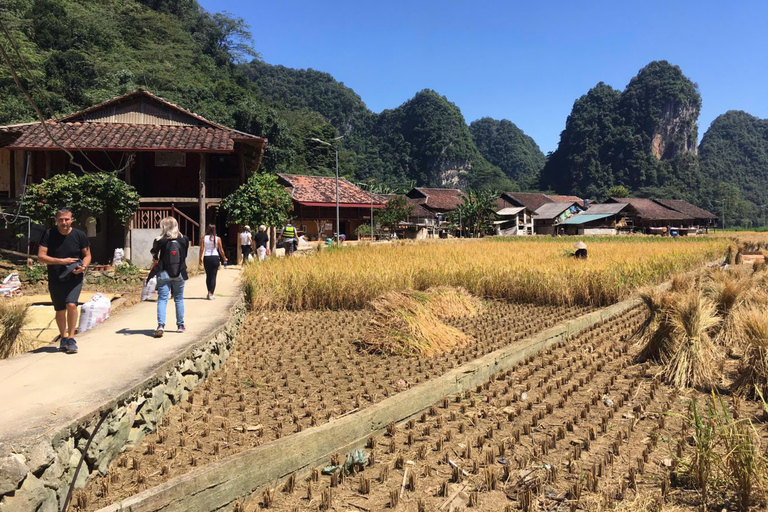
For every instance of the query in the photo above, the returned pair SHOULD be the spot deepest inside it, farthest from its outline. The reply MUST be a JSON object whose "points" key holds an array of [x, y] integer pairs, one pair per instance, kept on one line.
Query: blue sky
{"points": [[523, 61]]}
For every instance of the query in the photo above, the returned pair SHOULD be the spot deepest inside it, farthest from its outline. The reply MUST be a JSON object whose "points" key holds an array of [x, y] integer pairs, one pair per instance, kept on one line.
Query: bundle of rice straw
{"points": [[753, 372], [728, 290], [14, 315], [694, 357], [654, 334], [450, 302], [404, 324]]}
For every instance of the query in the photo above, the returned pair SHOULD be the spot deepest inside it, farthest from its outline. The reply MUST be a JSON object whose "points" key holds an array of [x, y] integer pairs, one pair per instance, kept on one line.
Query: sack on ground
{"points": [[150, 287], [11, 286], [93, 312]]}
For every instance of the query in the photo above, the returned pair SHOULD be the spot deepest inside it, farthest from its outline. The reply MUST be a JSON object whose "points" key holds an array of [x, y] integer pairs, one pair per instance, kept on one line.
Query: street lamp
{"points": [[336, 147]]}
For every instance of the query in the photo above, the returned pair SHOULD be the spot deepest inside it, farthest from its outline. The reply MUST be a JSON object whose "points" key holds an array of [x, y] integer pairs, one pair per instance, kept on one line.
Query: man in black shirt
{"points": [[67, 253], [260, 241]]}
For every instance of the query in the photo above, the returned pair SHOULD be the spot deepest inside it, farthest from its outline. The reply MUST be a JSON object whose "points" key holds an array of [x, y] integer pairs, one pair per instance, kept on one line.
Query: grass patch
{"points": [[14, 315]]}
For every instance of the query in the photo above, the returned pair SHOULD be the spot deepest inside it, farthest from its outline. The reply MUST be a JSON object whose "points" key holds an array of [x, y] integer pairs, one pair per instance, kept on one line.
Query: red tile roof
{"points": [[321, 191], [438, 199], [128, 137], [649, 210], [76, 132]]}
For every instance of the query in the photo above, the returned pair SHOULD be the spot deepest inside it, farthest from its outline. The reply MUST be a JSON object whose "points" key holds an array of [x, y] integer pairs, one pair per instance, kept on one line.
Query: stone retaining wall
{"points": [[37, 476]]}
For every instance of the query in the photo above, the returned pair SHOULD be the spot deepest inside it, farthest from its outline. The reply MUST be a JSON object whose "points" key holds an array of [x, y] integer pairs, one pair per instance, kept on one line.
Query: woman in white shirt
{"points": [[245, 243], [211, 255]]}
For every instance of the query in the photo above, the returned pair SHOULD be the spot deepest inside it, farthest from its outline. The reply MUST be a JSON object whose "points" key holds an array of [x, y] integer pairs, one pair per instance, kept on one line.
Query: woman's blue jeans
{"points": [[166, 285]]}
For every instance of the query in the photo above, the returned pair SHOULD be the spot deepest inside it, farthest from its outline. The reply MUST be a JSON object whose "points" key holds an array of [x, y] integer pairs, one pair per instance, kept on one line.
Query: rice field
{"points": [[540, 271]]}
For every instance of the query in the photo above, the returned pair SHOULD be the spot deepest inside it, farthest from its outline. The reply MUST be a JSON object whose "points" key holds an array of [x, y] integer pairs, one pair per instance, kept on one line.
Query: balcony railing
{"points": [[149, 218]]}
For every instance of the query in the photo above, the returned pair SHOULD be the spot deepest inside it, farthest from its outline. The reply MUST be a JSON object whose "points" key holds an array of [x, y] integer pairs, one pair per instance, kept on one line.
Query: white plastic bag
{"points": [[149, 288], [117, 257], [250, 258], [93, 312]]}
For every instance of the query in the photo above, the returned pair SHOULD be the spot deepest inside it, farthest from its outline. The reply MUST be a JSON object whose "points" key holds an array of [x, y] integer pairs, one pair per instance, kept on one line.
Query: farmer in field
{"points": [[581, 250], [67, 253]]}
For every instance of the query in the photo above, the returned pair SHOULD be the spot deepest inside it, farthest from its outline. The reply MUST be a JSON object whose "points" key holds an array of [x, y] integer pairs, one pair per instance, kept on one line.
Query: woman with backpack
{"points": [[170, 253], [211, 255]]}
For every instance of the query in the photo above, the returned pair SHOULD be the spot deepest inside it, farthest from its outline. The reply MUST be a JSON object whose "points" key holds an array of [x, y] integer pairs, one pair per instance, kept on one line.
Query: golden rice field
{"points": [[534, 271]]}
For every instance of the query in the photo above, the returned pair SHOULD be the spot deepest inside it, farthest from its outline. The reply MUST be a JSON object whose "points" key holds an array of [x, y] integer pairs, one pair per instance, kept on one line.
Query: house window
{"points": [[170, 159]]}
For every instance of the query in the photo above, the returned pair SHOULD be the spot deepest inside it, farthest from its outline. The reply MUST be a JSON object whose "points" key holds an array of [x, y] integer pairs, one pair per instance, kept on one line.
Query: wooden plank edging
{"points": [[219, 484]]}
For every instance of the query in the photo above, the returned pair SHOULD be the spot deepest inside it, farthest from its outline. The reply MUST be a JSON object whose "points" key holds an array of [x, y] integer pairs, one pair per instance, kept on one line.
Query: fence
{"points": [[150, 217]]}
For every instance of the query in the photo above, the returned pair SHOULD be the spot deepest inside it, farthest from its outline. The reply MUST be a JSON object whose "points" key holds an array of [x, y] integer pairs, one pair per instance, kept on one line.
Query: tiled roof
{"points": [[114, 136], [533, 201], [76, 132], [566, 199], [649, 210], [685, 207], [322, 189], [440, 199]]}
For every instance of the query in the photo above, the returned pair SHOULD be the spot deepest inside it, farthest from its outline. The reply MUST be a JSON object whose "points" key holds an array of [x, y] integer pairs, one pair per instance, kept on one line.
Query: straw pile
{"points": [[694, 357], [654, 335], [14, 315], [408, 323], [753, 374]]}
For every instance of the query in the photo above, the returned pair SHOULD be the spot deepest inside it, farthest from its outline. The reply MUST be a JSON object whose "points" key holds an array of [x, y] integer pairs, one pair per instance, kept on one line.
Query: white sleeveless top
{"points": [[211, 246], [245, 238]]}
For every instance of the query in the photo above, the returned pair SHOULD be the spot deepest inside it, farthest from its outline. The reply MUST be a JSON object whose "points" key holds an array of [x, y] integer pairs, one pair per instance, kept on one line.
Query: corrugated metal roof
{"points": [[583, 218], [511, 210], [552, 210], [611, 208]]}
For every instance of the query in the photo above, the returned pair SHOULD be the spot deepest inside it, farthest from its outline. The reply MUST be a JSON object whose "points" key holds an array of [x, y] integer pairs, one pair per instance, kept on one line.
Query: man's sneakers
{"points": [[159, 331], [72, 346], [68, 345]]}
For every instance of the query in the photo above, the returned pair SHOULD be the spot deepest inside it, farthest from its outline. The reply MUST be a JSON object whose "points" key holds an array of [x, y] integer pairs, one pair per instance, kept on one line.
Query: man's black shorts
{"points": [[66, 292]]}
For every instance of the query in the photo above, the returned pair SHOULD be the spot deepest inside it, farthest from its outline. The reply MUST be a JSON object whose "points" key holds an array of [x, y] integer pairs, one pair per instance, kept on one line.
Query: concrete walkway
{"points": [[46, 390]]}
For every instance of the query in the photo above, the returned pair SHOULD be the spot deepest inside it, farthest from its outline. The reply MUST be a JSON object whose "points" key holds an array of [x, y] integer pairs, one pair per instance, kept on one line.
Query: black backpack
{"points": [[172, 258]]}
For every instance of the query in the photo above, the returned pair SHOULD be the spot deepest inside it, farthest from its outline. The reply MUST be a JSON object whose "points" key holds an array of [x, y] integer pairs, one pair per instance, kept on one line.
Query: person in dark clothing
{"points": [[167, 283], [211, 256], [67, 253], [581, 250], [260, 241]]}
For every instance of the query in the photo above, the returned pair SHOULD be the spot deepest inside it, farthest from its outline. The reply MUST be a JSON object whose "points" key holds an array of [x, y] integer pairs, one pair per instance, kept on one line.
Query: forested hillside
{"points": [[642, 138], [505, 145], [76, 53], [70, 54]]}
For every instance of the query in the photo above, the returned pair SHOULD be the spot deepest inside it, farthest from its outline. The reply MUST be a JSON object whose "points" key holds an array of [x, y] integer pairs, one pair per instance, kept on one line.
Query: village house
{"points": [[598, 219], [650, 217], [549, 216], [314, 205], [701, 218], [514, 221], [440, 202], [181, 164]]}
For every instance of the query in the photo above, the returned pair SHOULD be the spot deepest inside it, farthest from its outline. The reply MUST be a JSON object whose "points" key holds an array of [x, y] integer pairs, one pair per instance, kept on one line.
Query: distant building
{"points": [[314, 205]]}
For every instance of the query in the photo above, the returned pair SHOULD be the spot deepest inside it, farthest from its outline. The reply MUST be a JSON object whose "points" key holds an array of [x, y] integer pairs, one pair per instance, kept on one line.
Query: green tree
{"points": [[618, 191], [260, 200], [89, 194], [506, 146], [476, 212], [397, 210]]}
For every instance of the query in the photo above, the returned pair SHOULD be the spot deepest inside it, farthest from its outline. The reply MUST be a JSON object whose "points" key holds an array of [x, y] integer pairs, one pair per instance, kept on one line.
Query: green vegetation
{"points": [[642, 138], [260, 200], [506, 146], [89, 194], [71, 54]]}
